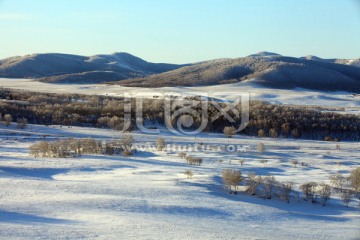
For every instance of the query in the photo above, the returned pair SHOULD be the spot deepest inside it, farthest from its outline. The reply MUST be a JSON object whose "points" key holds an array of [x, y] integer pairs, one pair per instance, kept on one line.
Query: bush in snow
{"points": [[231, 179], [182, 155], [229, 131]]}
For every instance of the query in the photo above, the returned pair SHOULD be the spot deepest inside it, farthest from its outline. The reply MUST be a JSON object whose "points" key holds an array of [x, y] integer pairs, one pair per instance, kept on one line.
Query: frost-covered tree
{"points": [[309, 190], [252, 183], [338, 181], [231, 179], [229, 131], [324, 191], [7, 119]]}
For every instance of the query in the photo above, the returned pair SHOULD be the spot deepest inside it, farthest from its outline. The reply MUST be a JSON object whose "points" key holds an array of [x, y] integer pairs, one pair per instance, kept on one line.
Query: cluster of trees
{"points": [[104, 111], [268, 187], [77, 147], [191, 160], [313, 191]]}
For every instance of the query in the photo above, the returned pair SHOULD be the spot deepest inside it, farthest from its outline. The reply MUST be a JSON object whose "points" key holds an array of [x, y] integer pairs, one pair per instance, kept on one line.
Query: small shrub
{"points": [[7, 119], [189, 173], [242, 161], [261, 133], [294, 162], [229, 131], [160, 144], [264, 161]]}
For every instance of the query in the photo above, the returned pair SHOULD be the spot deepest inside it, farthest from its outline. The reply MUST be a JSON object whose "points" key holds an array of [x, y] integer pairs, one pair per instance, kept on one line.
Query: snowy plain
{"points": [[148, 195]]}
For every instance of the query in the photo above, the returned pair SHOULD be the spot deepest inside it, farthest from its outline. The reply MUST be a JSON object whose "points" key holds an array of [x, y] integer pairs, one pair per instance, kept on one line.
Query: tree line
{"points": [[265, 120]]}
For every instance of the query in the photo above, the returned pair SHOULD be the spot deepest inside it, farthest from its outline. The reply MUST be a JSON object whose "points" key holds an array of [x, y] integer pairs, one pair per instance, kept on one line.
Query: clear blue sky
{"points": [[181, 31]]}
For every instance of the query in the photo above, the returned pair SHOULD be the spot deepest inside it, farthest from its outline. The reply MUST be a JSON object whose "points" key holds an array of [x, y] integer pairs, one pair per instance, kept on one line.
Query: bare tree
{"points": [[22, 123], [284, 191], [268, 186], [252, 183], [346, 196], [7, 119], [355, 180], [232, 178], [338, 181], [324, 192], [127, 141], [182, 155], [189, 173], [294, 162], [273, 133], [242, 161], [309, 190], [261, 133]]}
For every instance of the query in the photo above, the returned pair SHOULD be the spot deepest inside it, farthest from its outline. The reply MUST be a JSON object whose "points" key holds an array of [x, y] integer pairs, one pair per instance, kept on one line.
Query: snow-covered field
{"points": [[343, 101], [148, 196]]}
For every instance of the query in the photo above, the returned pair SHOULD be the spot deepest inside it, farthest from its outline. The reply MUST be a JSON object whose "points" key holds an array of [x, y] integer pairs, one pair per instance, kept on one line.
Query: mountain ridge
{"points": [[55, 66]]}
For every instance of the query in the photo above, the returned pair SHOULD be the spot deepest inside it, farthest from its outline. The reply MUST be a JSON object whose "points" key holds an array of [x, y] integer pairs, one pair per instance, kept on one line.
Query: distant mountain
{"points": [[267, 69], [351, 62], [66, 68]]}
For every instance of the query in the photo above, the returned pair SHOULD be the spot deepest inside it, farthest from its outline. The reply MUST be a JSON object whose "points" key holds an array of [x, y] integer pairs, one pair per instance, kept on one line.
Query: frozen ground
{"points": [[342, 101], [147, 196]]}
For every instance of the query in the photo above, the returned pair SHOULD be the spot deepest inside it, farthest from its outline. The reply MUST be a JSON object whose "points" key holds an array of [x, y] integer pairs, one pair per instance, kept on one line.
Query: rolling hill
{"points": [[267, 69]]}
